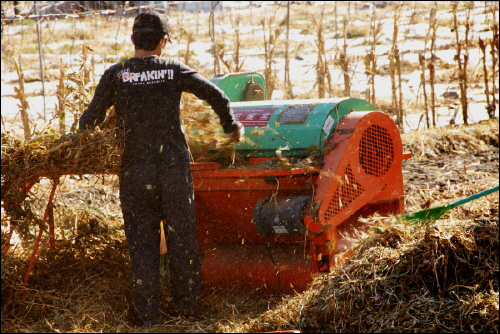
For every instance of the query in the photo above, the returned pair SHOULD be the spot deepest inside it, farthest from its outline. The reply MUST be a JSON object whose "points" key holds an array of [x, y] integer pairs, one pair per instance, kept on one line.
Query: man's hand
{"points": [[238, 134]]}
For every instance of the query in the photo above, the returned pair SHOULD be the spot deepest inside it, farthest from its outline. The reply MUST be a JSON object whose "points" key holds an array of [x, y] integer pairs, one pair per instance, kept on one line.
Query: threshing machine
{"points": [[275, 225]]}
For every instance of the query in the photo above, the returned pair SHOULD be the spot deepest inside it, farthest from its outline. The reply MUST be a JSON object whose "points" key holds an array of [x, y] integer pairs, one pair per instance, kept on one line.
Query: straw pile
{"points": [[400, 279], [460, 139], [443, 278]]}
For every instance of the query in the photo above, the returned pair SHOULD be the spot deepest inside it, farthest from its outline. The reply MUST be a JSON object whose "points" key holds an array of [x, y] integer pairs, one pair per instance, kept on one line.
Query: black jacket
{"points": [[146, 94]]}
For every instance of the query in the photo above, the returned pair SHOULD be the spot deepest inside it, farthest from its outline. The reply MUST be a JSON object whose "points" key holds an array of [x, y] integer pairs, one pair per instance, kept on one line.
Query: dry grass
{"points": [[434, 142], [400, 279], [83, 286]]}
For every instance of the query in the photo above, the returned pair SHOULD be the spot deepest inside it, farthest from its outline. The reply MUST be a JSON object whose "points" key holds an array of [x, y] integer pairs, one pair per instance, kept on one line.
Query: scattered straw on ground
{"points": [[436, 279], [440, 278]]}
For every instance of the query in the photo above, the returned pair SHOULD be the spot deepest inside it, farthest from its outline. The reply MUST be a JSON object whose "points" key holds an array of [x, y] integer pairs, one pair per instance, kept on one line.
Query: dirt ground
{"points": [[83, 285]]}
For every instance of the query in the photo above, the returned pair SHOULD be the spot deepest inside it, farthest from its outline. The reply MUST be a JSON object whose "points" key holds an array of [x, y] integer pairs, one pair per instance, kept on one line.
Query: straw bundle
{"points": [[50, 155]]}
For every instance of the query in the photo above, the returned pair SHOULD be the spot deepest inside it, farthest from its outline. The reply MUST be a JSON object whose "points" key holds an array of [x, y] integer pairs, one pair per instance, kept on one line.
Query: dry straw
{"points": [[433, 143], [399, 278], [404, 280]]}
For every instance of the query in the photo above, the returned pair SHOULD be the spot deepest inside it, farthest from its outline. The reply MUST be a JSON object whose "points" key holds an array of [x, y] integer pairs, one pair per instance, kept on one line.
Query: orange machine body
{"points": [[361, 173]]}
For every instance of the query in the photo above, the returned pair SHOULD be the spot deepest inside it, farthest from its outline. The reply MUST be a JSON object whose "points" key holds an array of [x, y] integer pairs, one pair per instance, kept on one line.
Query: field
{"points": [[401, 278]]}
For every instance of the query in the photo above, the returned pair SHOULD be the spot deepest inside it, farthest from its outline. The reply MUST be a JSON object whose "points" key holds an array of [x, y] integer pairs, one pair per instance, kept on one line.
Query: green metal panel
{"points": [[295, 127], [234, 84], [339, 111]]}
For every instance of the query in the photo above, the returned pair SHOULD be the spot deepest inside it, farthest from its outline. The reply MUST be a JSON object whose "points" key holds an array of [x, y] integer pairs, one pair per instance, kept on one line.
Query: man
{"points": [[155, 175]]}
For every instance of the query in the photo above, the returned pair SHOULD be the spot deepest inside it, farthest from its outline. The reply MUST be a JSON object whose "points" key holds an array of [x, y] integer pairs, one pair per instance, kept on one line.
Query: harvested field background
{"points": [[438, 278]]}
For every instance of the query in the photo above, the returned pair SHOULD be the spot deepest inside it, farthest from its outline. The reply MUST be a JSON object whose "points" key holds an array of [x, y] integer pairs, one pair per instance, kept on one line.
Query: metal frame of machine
{"points": [[265, 219]]}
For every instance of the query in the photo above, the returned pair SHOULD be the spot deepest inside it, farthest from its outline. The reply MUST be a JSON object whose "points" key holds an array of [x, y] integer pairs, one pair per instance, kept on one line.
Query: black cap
{"points": [[150, 22]]}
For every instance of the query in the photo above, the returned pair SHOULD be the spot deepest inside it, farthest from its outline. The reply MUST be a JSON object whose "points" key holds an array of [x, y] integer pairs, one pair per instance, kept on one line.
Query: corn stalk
{"points": [[234, 64], [287, 81], [24, 106], [421, 61], [270, 40], [61, 98], [400, 101], [189, 40], [321, 65], [393, 63], [79, 88], [344, 61], [494, 57], [215, 48], [482, 46], [432, 69], [238, 66], [370, 59], [462, 65]]}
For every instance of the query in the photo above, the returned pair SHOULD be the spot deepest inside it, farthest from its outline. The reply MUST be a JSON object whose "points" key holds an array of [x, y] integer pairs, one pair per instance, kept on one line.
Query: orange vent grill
{"points": [[365, 165], [347, 191], [376, 152]]}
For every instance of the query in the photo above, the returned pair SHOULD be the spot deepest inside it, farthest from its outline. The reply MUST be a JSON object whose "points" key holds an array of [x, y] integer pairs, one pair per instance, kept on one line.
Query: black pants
{"points": [[150, 192]]}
